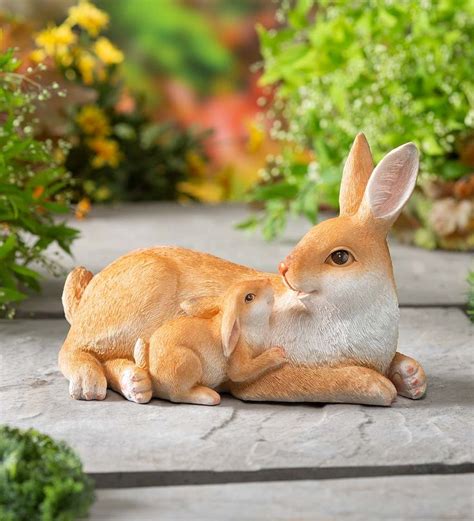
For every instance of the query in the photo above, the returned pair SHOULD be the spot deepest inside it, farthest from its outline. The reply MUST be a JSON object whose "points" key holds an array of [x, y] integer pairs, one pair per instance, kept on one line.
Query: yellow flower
{"points": [[256, 136], [207, 191], [56, 40], [38, 55], [86, 65], [83, 208], [92, 121], [107, 51], [107, 152], [196, 164], [87, 16]]}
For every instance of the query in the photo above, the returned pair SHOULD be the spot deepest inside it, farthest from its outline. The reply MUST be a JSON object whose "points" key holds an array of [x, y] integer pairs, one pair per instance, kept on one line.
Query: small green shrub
{"points": [[40, 479], [32, 188], [399, 71]]}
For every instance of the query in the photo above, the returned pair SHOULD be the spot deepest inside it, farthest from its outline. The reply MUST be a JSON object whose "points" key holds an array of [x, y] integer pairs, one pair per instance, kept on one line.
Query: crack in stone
{"points": [[260, 441], [29, 382], [219, 427], [362, 427], [404, 425], [260, 437]]}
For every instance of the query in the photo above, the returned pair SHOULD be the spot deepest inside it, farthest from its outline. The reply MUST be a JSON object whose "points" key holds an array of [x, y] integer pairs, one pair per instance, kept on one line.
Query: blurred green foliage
{"points": [[174, 39], [399, 71], [117, 152], [33, 188], [40, 479]]}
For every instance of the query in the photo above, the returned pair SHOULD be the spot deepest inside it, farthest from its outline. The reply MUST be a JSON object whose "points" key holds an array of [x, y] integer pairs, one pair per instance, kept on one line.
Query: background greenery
{"points": [[399, 71], [33, 189]]}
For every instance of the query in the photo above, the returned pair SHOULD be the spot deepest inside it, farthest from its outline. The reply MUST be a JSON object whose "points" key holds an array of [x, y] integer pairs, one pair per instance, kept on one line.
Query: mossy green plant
{"points": [[41, 479]]}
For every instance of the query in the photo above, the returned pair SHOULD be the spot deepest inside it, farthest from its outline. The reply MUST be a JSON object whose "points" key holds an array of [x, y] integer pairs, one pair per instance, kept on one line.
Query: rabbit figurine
{"points": [[190, 356], [335, 313]]}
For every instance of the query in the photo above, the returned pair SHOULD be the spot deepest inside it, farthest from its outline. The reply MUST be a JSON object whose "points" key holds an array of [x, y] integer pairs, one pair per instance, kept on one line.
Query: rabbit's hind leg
{"points": [[179, 378], [85, 374], [200, 395], [126, 378], [292, 383]]}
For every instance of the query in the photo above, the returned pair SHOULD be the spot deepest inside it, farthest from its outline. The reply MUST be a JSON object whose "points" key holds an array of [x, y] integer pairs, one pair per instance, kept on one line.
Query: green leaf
{"points": [[8, 246], [275, 191], [8, 295], [248, 224], [25, 272]]}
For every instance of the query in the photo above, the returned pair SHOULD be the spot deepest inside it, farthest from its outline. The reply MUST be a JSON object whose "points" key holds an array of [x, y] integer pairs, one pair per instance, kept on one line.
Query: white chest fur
{"points": [[354, 320]]}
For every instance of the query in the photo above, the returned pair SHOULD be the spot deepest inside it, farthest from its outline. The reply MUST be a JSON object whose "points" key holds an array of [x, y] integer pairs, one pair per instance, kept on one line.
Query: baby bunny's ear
{"points": [[202, 307], [230, 327]]}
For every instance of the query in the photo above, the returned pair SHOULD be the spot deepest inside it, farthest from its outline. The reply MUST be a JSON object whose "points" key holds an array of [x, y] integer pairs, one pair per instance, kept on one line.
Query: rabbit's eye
{"points": [[249, 297], [340, 258]]}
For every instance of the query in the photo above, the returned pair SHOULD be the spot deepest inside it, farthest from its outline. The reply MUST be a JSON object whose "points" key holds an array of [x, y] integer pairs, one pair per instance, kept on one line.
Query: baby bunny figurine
{"points": [[190, 356]]}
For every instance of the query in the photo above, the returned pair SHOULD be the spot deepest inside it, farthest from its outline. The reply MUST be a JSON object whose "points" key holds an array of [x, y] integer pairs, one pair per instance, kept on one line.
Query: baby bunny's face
{"points": [[257, 303]]}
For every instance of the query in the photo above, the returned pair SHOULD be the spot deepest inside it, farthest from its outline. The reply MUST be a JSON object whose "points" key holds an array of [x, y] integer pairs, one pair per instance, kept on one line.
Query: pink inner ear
{"points": [[392, 181], [234, 336]]}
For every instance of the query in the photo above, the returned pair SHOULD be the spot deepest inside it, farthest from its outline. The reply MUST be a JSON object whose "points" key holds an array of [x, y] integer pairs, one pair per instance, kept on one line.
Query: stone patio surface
{"points": [[258, 460]]}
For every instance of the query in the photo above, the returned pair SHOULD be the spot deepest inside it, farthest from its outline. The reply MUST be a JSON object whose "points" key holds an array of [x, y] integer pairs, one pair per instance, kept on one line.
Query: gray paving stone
{"points": [[116, 435], [423, 277], [428, 498]]}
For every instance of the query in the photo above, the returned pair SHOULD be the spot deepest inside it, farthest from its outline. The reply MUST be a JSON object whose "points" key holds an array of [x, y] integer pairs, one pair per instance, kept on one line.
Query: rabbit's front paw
{"points": [[135, 385], [408, 377]]}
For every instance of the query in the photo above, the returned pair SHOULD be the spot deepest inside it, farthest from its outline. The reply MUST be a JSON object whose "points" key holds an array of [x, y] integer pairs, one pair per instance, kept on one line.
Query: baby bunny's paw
{"points": [[136, 385], [277, 356]]}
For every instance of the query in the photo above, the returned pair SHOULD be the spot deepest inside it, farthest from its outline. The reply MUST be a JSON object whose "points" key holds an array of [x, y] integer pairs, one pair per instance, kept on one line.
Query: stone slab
{"points": [[423, 277], [116, 435], [428, 498]]}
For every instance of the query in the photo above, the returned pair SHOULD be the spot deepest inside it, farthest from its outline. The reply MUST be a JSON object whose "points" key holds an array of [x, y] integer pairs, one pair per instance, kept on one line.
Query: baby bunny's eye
{"points": [[249, 297], [340, 258]]}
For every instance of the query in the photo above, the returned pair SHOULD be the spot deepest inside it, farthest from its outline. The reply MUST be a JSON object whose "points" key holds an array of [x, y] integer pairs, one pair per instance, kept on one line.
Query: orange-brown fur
{"points": [[139, 292], [189, 357]]}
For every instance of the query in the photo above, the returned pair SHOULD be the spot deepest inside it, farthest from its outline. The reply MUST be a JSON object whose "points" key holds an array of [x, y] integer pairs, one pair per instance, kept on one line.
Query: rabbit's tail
{"points": [[76, 283], [140, 353]]}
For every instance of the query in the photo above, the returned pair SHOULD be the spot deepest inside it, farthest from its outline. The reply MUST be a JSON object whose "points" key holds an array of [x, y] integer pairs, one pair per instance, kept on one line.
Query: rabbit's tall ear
{"points": [[230, 326], [357, 169], [390, 185]]}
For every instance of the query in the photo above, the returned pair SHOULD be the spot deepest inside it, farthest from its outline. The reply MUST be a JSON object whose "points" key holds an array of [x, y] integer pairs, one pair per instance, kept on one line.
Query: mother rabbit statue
{"points": [[335, 312]]}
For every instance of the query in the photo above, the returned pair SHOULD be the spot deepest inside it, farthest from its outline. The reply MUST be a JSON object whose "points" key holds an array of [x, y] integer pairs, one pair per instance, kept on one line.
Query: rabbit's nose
{"points": [[283, 268]]}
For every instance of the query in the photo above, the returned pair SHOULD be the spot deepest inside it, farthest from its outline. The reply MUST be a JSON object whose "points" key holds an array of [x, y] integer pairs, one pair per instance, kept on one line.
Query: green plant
{"points": [[32, 188], [399, 71], [118, 152], [40, 479]]}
